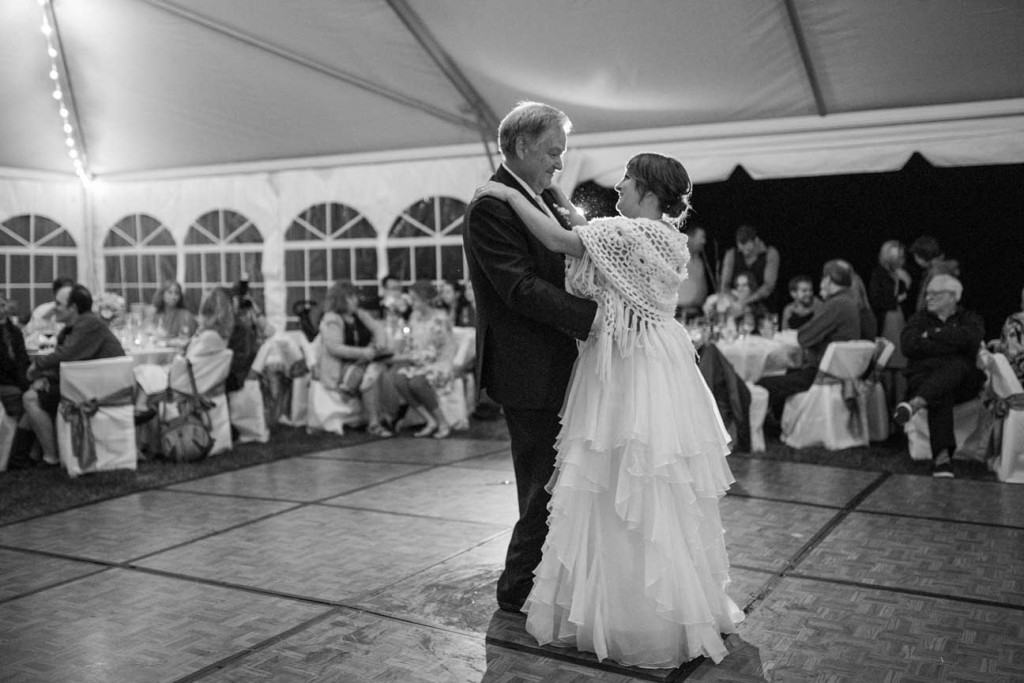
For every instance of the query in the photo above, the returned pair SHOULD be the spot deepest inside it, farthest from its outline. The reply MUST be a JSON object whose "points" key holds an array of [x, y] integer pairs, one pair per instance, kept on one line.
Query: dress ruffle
{"points": [[634, 566]]}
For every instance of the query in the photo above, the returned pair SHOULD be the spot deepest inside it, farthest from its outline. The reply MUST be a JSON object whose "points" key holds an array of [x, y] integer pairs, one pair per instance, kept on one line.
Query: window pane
{"points": [[20, 226], [423, 212], [341, 266], [426, 266], [366, 263], [316, 264], [167, 268], [131, 268], [67, 266], [44, 268], [20, 272], [194, 269], [113, 268], [211, 269], [452, 211], [3, 268], [251, 235], [232, 268], [294, 294], [398, 263], [294, 265], [149, 272], [451, 262], [115, 239], [362, 228], [316, 216], [45, 227]]}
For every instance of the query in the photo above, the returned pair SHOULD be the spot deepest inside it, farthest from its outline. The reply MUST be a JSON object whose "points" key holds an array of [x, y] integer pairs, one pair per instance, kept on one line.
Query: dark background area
{"points": [[975, 212]]}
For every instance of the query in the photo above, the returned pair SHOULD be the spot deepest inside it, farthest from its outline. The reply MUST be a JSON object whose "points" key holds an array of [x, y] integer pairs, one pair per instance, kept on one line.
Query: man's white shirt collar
{"points": [[529, 191]]}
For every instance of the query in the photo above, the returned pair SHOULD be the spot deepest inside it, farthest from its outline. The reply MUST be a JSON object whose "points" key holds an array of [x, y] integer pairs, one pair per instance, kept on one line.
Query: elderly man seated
{"points": [[842, 316], [83, 337], [941, 344]]}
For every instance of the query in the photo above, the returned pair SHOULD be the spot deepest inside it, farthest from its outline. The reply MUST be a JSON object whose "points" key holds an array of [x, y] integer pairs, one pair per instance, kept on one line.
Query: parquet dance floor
{"points": [[377, 562]]}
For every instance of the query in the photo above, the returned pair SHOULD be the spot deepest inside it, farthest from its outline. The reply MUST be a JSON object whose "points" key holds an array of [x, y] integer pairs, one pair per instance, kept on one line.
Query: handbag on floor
{"points": [[187, 437]]}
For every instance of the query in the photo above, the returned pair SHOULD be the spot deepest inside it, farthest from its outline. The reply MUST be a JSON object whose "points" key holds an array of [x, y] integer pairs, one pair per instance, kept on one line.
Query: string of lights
{"points": [[62, 93]]}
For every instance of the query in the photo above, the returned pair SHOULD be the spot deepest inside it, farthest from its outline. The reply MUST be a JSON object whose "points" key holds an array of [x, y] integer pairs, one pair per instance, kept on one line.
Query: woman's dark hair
{"points": [[926, 248], [666, 178], [158, 300], [81, 298]]}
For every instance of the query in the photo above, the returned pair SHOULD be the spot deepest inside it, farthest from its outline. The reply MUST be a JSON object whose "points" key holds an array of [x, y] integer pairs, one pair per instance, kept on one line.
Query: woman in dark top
{"points": [[888, 295], [14, 362]]}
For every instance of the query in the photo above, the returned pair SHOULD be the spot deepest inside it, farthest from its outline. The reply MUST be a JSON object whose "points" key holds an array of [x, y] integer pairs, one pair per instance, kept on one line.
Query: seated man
{"points": [[941, 344], [83, 337], [838, 318], [42, 318]]}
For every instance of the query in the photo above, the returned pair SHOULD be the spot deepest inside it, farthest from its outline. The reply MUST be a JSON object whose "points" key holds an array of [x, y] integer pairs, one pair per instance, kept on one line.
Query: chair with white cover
{"points": [[295, 402], [832, 412], [328, 410], [878, 409], [210, 372], [756, 413], [96, 418], [246, 414], [1008, 413]]}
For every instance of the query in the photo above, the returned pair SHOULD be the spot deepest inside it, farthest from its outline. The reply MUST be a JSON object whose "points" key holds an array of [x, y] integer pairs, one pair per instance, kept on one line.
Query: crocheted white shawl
{"points": [[633, 267]]}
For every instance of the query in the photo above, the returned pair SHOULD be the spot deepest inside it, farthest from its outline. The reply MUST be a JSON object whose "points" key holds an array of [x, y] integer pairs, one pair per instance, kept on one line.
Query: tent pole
{"points": [[805, 57]]}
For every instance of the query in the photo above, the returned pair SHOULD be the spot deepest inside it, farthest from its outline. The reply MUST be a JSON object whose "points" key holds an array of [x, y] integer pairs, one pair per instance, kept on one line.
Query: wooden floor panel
{"points": [[411, 451], [765, 534], [451, 492], [947, 558], [324, 553], [22, 572], [985, 502], [299, 479], [819, 631], [378, 562], [798, 482], [132, 526], [124, 626]]}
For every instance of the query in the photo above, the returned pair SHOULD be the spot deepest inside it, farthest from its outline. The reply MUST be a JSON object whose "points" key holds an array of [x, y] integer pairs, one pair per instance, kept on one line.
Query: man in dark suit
{"points": [[84, 337], [527, 324]]}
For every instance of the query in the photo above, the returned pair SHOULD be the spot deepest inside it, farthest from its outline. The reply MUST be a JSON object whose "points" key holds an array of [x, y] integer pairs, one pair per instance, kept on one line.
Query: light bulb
{"points": [[52, 51], [67, 128], [69, 141], [73, 153], [64, 112], [45, 28], [57, 94], [54, 75]]}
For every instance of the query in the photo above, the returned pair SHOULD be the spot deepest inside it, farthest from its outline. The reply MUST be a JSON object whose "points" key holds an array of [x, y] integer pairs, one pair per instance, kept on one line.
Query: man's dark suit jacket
{"points": [[527, 323]]}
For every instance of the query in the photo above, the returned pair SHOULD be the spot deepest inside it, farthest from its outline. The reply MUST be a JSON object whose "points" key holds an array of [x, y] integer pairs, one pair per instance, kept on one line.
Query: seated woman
{"points": [[351, 340], [14, 362], [172, 320], [424, 367], [216, 321], [1011, 341]]}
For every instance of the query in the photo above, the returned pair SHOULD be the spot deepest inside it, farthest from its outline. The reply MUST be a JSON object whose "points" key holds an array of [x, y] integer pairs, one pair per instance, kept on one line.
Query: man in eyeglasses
{"points": [[941, 344]]}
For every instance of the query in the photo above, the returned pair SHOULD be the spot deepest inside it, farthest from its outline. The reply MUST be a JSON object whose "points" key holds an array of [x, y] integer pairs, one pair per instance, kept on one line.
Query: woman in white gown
{"points": [[634, 566]]}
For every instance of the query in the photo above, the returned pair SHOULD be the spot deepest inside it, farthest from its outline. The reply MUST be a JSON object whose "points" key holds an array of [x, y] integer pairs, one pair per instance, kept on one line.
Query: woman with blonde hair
{"points": [[216, 321], [888, 291], [351, 341]]}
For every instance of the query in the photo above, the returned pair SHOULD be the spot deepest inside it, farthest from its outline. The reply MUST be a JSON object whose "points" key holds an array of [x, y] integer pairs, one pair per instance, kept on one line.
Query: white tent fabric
{"points": [[183, 106]]}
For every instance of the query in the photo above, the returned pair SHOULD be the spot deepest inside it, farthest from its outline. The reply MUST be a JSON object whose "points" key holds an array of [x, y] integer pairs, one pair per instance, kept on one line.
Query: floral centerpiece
{"points": [[110, 307]]}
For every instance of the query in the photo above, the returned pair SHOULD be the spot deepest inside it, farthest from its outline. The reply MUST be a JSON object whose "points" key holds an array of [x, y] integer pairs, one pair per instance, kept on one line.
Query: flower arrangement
{"points": [[110, 307]]}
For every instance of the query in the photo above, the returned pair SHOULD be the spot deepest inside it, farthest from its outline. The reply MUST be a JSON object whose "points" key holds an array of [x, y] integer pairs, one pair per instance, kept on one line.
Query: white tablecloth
{"points": [[754, 357]]}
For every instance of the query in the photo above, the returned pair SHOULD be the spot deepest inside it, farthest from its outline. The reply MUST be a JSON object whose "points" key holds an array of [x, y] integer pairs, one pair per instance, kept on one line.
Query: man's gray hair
{"points": [[529, 120], [948, 283]]}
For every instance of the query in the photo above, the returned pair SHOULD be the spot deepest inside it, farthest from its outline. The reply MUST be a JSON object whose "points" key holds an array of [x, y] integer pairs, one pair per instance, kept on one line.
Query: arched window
{"points": [[425, 241], [139, 253], [34, 251], [221, 246], [329, 242]]}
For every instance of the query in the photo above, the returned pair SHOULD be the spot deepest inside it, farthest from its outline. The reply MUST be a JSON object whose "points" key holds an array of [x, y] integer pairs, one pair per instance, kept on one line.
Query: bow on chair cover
{"points": [[849, 392], [79, 417]]}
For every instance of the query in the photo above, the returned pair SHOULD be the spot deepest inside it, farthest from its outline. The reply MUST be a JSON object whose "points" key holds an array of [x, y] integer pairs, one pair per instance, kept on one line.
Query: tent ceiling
{"points": [[166, 84]]}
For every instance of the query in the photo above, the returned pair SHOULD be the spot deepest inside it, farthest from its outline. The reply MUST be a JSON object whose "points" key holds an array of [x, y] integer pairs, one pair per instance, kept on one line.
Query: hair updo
{"points": [[667, 179]]}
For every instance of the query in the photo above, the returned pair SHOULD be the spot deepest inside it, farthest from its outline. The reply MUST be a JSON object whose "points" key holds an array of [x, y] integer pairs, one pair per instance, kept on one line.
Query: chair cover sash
{"points": [[79, 417], [849, 392]]}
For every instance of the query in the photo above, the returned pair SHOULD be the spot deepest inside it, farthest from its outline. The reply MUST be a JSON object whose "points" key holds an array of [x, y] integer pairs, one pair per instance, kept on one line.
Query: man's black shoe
{"points": [[509, 607]]}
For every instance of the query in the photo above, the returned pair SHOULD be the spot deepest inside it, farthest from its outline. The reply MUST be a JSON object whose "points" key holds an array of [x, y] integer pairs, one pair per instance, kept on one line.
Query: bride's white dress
{"points": [[634, 567]]}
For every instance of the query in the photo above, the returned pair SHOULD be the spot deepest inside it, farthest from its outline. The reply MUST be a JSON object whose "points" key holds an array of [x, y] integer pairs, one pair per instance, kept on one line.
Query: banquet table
{"points": [[754, 357]]}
